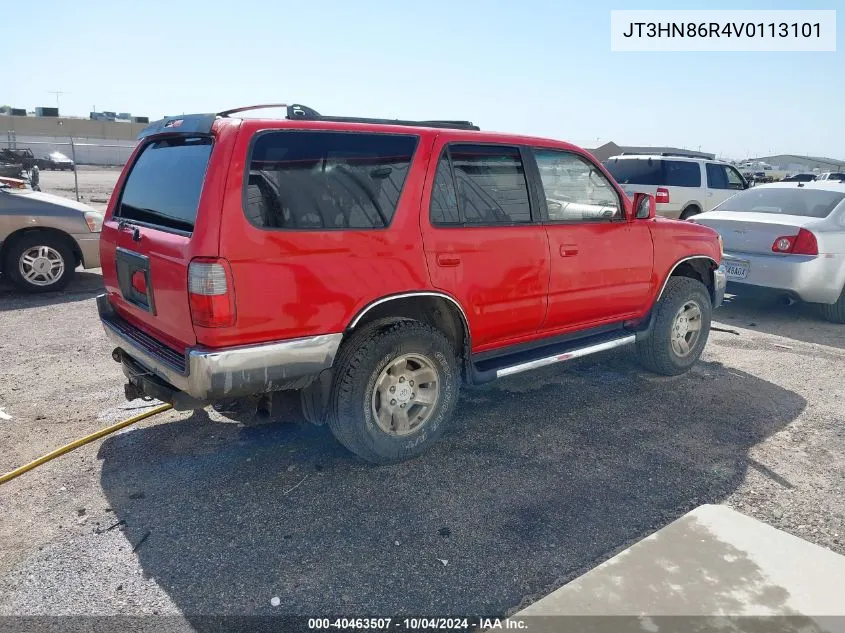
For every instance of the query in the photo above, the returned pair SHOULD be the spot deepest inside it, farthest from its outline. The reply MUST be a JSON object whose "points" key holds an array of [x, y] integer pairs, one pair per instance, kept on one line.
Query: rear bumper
{"points": [[206, 375], [811, 278]]}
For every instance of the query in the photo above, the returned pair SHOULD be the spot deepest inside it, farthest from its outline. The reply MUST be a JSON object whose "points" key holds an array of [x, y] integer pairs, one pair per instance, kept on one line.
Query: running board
{"points": [[569, 355]]}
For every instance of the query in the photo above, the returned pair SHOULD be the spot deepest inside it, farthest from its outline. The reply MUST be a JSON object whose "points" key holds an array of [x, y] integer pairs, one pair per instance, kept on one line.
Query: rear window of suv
{"points": [[300, 179], [653, 171], [163, 188], [813, 203]]}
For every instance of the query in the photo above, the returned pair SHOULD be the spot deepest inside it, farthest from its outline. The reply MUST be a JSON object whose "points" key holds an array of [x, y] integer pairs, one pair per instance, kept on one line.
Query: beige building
{"points": [[94, 142]]}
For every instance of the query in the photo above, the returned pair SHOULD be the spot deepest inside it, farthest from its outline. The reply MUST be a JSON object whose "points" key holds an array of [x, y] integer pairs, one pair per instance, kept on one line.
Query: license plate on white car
{"points": [[736, 269]]}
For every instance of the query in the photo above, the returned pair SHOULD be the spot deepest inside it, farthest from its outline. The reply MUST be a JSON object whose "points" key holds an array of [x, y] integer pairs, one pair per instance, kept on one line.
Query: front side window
{"points": [[717, 178], [575, 190], [735, 181], [301, 179]]}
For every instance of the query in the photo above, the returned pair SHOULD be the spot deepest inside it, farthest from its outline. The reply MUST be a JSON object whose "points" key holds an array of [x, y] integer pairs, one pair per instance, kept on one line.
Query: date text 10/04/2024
{"points": [[415, 624]]}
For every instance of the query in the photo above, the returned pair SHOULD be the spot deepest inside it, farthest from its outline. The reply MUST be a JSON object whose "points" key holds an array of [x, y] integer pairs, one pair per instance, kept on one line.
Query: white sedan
{"points": [[789, 237]]}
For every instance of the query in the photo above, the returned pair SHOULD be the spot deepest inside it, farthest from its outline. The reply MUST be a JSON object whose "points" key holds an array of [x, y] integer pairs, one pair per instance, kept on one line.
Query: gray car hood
{"points": [[49, 199]]}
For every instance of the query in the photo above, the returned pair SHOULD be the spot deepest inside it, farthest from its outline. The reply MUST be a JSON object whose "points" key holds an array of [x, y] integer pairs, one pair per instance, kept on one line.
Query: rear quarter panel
{"points": [[295, 283]]}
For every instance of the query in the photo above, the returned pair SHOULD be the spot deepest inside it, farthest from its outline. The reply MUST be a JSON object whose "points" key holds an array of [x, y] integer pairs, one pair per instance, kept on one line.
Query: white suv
{"points": [[682, 186]]}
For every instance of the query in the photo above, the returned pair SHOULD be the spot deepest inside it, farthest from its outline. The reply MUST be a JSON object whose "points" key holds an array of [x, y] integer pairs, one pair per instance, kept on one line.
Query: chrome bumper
{"points": [[208, 375], [720, 282]]}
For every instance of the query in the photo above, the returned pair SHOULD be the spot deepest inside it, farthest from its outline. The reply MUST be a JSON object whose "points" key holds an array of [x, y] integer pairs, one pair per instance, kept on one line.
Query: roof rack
{"points": [[679, 154], [297, 111]]}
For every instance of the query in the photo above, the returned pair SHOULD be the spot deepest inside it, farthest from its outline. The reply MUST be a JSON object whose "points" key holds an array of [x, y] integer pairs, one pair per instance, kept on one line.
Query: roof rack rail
{"points": [[679, 154], [301, 112]]}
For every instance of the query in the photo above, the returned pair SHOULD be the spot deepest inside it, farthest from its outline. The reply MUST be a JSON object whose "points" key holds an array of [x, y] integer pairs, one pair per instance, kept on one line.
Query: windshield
{"points": [[164, 185], [812, 203]]}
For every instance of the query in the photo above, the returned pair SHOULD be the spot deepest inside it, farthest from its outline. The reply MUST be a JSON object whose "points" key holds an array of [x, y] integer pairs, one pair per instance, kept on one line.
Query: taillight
{"points": [[210, 292], [662, 195], [802, 244], [139, 282]]}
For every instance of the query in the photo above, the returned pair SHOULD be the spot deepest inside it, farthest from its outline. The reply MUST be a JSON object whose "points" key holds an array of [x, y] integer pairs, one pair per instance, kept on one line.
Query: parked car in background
{"points": [[800, 178], [43, 238], [682, 186], [789, 238], [56, 161], [831, 175], [375, 266]]}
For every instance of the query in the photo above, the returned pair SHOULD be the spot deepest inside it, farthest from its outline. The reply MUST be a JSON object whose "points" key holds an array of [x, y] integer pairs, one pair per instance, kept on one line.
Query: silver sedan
{"points": [[43, 237], [789, 237]]}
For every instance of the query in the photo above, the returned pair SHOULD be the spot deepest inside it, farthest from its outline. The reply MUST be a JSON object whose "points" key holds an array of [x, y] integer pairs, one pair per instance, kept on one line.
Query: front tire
{"points": [[681, 328], [394, 391], [835, 312], [40, 262]]}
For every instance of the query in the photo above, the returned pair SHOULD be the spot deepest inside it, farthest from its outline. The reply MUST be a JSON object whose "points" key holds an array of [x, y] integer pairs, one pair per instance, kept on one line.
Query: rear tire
{"points": [[40, 262], [376, 409], [681, 328], [834, 312], [689, 212]]}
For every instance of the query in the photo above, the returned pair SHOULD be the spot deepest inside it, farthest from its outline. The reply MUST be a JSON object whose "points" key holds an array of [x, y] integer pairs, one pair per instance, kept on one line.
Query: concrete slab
{"points": [[712, 569]]}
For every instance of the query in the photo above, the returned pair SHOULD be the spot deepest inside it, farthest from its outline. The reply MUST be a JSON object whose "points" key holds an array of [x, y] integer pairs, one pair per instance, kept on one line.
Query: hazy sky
{"points": [[532, 66]]}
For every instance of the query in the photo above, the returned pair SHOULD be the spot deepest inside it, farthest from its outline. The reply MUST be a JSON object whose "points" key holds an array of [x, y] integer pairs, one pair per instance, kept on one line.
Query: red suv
{"points": [[376, 265]]}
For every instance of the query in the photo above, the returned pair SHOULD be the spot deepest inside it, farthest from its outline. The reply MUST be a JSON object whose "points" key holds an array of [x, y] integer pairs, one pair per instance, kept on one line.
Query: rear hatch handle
{"points": [[123, 224]]}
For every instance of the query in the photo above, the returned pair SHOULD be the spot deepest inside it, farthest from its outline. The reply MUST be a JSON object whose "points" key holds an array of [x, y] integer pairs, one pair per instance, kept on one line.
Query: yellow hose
{"points": [[17, 472]]}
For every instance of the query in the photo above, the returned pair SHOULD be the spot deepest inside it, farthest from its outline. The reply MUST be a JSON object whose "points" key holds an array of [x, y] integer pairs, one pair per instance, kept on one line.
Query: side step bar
{"points": [[569, 355]]}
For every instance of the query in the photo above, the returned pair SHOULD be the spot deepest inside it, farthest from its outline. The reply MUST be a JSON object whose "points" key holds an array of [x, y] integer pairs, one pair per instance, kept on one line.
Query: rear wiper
{"points": [[169, 220]]}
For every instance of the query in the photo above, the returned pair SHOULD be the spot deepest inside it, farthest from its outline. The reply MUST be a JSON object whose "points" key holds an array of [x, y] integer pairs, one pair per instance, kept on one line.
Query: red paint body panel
{"points": [[514, 283], [169, 253]]}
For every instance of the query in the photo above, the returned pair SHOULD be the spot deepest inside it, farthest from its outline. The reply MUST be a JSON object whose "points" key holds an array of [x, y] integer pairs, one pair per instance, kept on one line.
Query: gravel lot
{"points": [[539, 478]]}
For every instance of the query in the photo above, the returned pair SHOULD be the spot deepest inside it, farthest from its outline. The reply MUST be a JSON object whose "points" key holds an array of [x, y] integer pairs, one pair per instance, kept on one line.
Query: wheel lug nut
{"points": [[401, 378], [411, 382], [402, 406], [392, 389], [393, 402], [413, 395]]}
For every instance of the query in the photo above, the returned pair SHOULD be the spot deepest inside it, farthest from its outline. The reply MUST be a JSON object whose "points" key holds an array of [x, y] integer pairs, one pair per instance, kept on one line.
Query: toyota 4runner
{"points": [[374, 266]]}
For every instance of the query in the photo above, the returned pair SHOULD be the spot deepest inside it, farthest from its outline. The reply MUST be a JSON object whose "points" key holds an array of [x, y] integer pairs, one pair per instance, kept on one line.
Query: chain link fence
{"points": [[89, 176]]}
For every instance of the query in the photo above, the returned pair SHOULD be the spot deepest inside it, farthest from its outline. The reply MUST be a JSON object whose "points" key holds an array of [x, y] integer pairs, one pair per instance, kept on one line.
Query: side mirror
{"points": [[644, 206]]}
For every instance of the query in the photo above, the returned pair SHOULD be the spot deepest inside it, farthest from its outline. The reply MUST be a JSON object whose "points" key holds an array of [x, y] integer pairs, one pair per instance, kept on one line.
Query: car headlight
{"points": [[94, 219]]}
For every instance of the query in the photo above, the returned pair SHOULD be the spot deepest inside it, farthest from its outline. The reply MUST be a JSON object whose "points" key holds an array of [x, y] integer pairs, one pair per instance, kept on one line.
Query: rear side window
{"points": [[657, 172], [163, 188], [681, 173], [489, 185], [326, 180]]}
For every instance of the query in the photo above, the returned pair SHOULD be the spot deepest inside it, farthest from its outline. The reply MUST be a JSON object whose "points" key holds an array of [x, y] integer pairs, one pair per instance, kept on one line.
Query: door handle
{"points": [[448, 260], [568, 250]]}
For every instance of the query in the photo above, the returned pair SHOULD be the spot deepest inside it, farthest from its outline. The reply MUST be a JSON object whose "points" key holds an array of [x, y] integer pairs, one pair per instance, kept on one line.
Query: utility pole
{"points": [[57, 93]]}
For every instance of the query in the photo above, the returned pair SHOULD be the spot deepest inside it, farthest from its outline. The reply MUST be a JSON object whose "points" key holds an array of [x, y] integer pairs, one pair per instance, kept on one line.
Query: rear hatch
{"points": [[152, 231], [654, 175], [636, 175]]}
